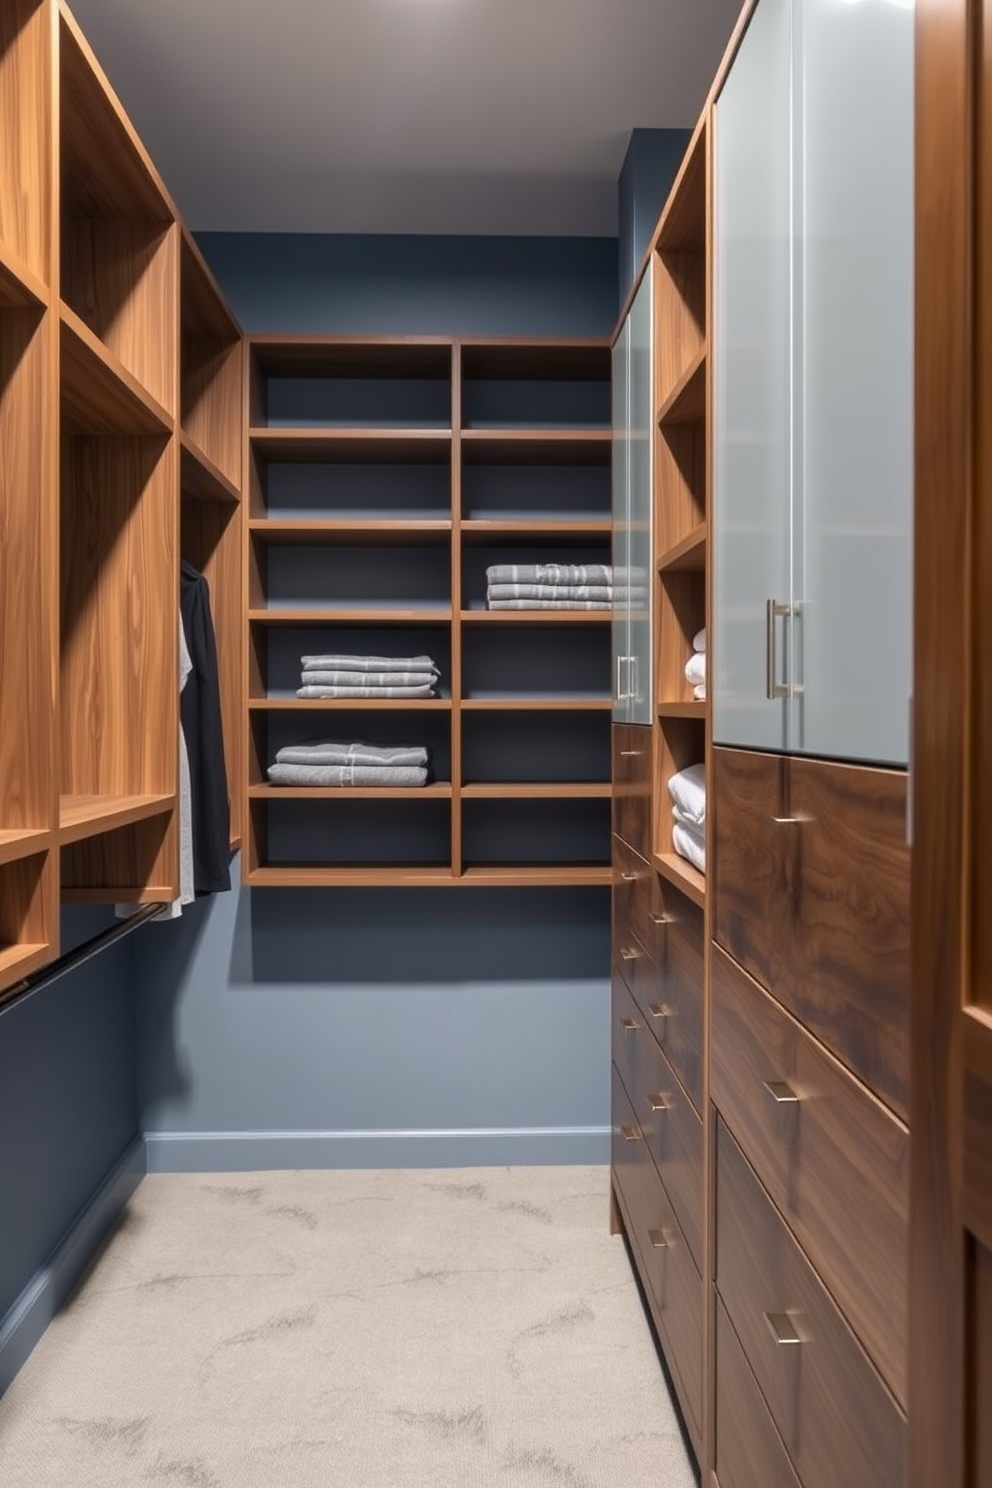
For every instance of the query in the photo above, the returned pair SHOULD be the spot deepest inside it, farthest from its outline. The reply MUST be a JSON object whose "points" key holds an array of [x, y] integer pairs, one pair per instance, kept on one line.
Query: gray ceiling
{"points": [[445, 116]]}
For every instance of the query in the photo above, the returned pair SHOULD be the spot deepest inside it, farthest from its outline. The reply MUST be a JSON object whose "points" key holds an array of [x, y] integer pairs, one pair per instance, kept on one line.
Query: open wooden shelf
{"points": [[86, 816], [440, 790], [20, 960], [537, 617], [696, 708], [200, 477], [552, 875], [356, 530], [537, 446], [540, 790], [682, 876], [99, 395], [376, 446], [689, 555], [686, 403], [682, 225], [536, 875], [18, 285], [536, 705], [371, 615], [349, 705], [15, 844]]}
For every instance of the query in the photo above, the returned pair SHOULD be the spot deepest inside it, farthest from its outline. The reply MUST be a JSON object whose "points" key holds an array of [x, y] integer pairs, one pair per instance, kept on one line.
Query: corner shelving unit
{"points": [[385, 475]]}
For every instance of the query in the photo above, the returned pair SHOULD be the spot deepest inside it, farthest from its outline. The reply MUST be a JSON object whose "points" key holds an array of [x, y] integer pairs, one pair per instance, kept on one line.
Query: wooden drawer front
{"points": [[636, 898], [839, 1423], [672, 1130], [633, 965], [749, 1451], [816, 905], [670, 1278], [632, 785], [679, 1026], [834, 1161]]}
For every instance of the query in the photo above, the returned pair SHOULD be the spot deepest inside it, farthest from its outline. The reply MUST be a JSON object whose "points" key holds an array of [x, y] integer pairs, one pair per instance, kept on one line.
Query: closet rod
{"points": [[74, 958]]}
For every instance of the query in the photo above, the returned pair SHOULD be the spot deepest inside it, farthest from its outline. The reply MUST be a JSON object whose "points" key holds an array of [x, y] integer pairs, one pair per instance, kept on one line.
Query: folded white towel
{"points": [[369, 680], [550, 591], [550, 573], [550, 604], [699, 692], [687, 789], [699, 640], [695, 668], [335, 662], [426, 689], [334, 752], [689, 845]]}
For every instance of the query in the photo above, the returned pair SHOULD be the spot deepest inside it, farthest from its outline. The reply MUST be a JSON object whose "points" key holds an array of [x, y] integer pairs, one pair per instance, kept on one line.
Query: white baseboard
{"points": [[41, 1299]]}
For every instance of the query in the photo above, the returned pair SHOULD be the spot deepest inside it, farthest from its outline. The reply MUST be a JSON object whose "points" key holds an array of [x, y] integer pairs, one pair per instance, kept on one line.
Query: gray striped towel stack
{"points": [[339, 676], [350, 763], [549, 586]]}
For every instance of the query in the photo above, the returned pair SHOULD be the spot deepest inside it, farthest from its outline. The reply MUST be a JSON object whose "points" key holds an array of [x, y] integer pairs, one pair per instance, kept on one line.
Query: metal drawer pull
{"points": [[629, 877], [782, 1328], [658, 1102], [786, 821], [631, 753], [659, 1239], [660, 1010], [630, 1133], [629, 1025], [662, 919], [781, 1093], [626, 954]]}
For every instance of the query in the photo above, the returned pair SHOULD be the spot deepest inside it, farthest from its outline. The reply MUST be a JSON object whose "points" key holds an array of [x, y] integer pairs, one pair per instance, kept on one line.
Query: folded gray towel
{"points": [[602, 592], [550, 573], [550, 604], [426, 689], [333, 663], [343, 775], [333, 752], [371, 680]]}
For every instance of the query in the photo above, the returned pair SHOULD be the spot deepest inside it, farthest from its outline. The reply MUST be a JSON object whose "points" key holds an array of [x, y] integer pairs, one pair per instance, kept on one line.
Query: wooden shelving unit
{"points": [[384, 476]]}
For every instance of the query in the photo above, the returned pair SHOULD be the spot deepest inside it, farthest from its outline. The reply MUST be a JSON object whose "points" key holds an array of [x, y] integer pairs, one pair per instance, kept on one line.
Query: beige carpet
{"points": [[441, 1328]]}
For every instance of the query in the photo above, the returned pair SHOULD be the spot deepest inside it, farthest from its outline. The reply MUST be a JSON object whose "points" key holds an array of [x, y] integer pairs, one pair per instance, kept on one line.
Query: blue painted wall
{"points": [[68, 1100], [649, 168], [378, 1027]]}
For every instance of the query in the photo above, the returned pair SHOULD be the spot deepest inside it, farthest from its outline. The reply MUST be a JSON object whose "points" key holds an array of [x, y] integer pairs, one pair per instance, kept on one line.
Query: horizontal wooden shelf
{"points": [[99, 394], [19, 287], [538, 875], [687, 556], [538, 790], [86, 816], [509, 876], [200, 477], [311, 354], [537, 617], [682, 875], [24, 843], [357, 446], [119, 894], [537, 705], [17, 961], [347, 705], [476, 530], [682, 227], [350, 530], [694, 708], [441, 790], [534, 358], [686, 403], [373, 615], [537, 446]]}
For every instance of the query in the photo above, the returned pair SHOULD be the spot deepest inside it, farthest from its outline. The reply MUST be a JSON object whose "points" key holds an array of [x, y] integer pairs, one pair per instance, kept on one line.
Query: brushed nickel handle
{"points": [[786, 821], [658, 1102], [660, 1010], [630, 1133], [781, 1093], [629, 877], [631, 753], [626, 954], [658, 1239], [662, 919], [629, 1025], [782, 1328], [774, 609]]}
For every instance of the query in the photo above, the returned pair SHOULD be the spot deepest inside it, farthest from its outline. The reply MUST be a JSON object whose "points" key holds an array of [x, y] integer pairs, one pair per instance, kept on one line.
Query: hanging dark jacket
{"points": [[199, 711]]}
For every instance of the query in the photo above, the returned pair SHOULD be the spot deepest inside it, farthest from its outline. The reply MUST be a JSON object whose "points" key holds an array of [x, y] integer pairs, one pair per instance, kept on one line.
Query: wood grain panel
{"points": [[835, 1139], [26, 133], [816, 907], [671, 1281], [680, 315], [681, 613], [835, 1416], [673, 1132], [632, 786], [28, 565], [749, 1451], [137, 864], [636, 896], [676, 1018], [680, 464], [681, 743], [980, 1369], [977, 1132], [28, 911]]}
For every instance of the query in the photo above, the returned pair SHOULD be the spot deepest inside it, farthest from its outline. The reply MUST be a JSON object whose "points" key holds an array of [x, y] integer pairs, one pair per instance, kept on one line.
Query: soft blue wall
{"points": [[68, 1100], [649, 168], [287, 1027]]}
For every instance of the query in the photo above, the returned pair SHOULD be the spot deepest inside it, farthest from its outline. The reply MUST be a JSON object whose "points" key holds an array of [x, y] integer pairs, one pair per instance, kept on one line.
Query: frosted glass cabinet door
{"points": [[641, 395], [752, 475], [855, 378], [621, 527]]}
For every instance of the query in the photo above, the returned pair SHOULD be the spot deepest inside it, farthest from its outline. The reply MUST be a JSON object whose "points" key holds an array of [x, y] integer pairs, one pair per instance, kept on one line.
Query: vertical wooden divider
{"points": [[456, 609]]}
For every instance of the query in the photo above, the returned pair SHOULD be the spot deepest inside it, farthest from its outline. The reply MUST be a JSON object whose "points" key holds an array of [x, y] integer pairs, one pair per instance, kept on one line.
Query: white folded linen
{"points": [[699, 692], [550, 604], [426, 689], [699, 640], [689, 844], [336, 752], [550, 573], [550, 591], [339, 775], [336, 662], [695, 668], [314, 678], [687, 789]]}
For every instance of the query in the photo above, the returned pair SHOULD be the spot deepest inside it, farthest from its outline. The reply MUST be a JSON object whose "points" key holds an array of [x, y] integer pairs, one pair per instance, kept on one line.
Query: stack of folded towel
{"points": [[695, 667], [549, 586], [357, 763], [688, 792], [337, 676]]}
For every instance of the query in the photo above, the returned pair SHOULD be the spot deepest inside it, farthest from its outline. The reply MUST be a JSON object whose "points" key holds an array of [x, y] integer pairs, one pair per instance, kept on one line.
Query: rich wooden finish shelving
{"points": [[80, 816], [689, 554], [456, 454]]}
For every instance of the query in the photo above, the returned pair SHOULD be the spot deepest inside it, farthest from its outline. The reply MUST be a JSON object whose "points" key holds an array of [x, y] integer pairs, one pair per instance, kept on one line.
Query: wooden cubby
{"points": [[384, 476], [26, 150]]}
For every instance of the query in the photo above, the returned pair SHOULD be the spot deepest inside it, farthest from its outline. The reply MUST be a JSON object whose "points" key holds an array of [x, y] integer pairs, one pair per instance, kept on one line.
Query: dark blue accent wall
{"points": [[649, 168], [68, 1100]]}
